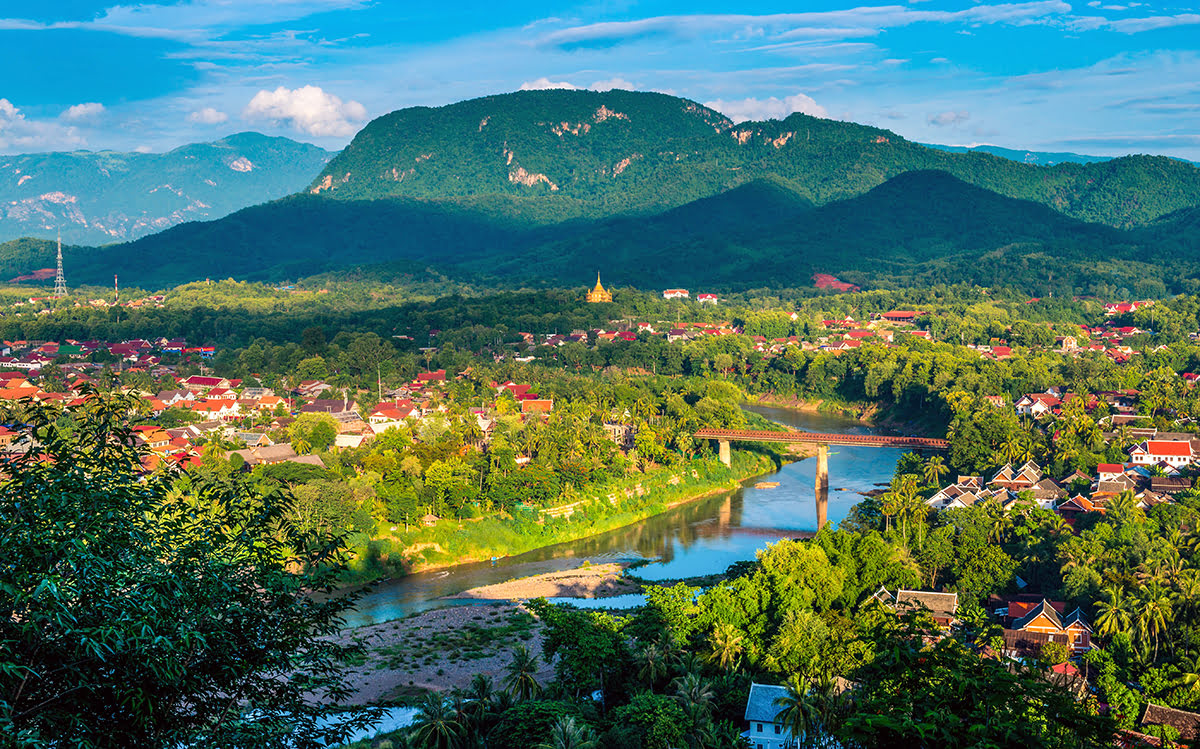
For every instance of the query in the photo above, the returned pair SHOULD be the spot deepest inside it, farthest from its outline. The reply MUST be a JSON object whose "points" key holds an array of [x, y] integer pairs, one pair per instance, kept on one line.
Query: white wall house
{"points": [[766, 729]]}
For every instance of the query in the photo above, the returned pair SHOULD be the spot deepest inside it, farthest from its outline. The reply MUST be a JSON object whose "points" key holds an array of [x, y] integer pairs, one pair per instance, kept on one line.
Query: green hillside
{"points": [[924, 227], [571, 154], [96, 197]]}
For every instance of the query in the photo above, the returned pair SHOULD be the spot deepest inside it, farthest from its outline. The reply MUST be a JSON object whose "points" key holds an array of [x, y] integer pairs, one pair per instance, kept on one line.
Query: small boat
{"points": [[767, 485]]}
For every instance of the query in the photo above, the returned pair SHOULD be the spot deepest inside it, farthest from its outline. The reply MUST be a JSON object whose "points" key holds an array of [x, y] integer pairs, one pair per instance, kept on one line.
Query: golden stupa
{"points": [[599, 294]]}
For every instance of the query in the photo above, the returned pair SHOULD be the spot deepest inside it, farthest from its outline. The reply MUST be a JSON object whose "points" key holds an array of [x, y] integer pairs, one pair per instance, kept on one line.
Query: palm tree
{"points": [[1189, 672], [1114, 614], [521, 674], [434, 726], [692, 689], [934, 469], [653, 664], [797, 711], [727, 646], [1154, 612], [567, 734]]}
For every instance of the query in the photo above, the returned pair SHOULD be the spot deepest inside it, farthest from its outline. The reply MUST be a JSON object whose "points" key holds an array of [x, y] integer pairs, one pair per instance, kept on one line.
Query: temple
{"points": [[599, 293]]}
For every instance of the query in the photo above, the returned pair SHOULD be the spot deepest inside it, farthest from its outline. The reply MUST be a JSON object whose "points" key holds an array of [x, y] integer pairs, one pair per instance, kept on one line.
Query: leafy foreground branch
{"points": [[151, 613]]}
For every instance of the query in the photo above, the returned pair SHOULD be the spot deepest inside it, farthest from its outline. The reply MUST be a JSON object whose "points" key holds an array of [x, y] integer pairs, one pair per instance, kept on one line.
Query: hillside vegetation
{"points": [[595, 154], [919, 228]]}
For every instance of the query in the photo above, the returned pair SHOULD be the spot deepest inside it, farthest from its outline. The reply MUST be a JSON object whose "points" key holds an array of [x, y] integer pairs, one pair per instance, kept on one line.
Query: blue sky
{"points": [[1101, 77]]}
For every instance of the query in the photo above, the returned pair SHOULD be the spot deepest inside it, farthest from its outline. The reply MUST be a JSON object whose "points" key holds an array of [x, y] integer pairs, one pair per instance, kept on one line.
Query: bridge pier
{"points": [[822, 485], [723, 453]]}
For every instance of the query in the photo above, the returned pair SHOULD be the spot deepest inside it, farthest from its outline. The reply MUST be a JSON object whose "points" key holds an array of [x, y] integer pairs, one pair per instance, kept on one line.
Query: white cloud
{"points": [[944, 119], [308, 109], [847, 23], [86, 111], [611, 83], [771, 108], [543, 83], [208, 116], [19, 133]]}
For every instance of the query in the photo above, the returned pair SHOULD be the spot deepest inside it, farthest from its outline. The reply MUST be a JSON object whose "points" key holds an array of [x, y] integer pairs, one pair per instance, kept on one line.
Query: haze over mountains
{"points": [[97, 197], [551, 186]]}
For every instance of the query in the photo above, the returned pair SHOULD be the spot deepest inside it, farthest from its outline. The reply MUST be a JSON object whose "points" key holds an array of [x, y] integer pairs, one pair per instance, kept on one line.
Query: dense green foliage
{"points": [[153, 613], [113, 196]]}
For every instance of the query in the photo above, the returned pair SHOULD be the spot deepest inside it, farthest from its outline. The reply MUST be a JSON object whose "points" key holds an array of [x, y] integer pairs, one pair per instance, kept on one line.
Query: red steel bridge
{"points": [[822, 441]]}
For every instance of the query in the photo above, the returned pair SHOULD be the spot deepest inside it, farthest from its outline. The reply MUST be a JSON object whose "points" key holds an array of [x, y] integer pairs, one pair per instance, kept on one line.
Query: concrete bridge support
{"points": [[723, 453], [822, 485]]}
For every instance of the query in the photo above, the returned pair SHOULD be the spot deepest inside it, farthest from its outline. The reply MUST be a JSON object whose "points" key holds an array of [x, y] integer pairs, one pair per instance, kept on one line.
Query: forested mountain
{"points": [[566, 154], [918, 228], [107, 196]]}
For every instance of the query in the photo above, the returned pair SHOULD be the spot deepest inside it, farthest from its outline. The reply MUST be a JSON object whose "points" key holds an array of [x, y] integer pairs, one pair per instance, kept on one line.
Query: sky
{"points": [[1104, 77]]}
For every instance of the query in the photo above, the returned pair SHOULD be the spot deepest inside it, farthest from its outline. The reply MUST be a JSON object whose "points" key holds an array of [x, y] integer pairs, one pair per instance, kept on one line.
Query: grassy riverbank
{"points": [[597, 509]]}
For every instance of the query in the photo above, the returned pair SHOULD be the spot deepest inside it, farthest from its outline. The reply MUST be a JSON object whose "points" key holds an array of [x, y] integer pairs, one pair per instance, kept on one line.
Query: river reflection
{"points": [[698, 538]]}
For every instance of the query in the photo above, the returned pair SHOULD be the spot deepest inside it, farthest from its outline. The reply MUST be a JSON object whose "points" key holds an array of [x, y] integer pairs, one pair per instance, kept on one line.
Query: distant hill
{"points": [[551, 156], [1038, 158], [925, 227], [107, 196]]}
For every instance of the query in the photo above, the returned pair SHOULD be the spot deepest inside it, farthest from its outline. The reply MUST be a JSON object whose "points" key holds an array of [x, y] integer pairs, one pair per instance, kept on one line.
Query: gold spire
{"points": [[599, 293]]}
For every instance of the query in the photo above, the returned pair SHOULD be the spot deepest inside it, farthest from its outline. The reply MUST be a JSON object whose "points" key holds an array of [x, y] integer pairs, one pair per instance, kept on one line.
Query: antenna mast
{"points": [[60, 283]]}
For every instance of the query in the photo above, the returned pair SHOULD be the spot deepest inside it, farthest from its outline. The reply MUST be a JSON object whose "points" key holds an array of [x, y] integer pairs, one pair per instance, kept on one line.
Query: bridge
{"points": [[822, 441]]}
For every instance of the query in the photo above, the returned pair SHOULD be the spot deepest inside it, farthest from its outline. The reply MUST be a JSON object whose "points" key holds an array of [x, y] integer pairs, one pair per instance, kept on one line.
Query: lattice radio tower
{"points": [[60, 283]]}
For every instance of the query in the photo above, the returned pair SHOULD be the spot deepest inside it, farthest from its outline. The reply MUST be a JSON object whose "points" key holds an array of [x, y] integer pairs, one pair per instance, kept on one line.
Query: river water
{"points": [[697, 538]]}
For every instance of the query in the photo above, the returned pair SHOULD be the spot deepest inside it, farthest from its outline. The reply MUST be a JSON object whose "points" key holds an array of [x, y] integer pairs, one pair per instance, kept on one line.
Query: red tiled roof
{"points": [[1163, 447]]}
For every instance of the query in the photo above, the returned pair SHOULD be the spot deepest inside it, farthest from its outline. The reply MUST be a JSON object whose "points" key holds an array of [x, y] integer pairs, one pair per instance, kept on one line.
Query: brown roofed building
{"points": [[1188, 724], [941, 606]]}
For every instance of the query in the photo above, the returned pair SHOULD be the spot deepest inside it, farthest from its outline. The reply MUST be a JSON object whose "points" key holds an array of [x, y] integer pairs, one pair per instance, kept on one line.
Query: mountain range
{"points": [[97, 197], [653, 190]]}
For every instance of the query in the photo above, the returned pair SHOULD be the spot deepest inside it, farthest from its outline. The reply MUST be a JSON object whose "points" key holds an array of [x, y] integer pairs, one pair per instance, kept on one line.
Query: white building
{"points": [[1153, 452], [765, 718], [675, 294]]}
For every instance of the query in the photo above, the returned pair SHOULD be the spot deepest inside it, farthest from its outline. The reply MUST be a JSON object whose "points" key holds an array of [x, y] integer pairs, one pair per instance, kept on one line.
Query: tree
{"points": [[944, 694], [137, 613], [934, 469], [521, 674], [566, 733], [434, 725], [313, 431]]}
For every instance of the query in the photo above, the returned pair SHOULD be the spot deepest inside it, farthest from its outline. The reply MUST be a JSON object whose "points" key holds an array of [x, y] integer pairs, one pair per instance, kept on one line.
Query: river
{"points": [[697, 538]]}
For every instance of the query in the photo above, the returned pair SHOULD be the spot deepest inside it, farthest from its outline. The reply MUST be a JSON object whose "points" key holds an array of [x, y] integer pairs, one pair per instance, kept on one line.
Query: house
{"points": [[763, 714], [1169, 484], [537, 406], [327, 406], [675, 294], [621, 434], [1153, 452], [1188, 724], [1017, 479], [199, 384], [903, 317], [1073, 630], [155, 438], [438, 376], [172, 397], [1109, 471], [1036, 404], [1072, 508], [943, 607], [706, 298]]}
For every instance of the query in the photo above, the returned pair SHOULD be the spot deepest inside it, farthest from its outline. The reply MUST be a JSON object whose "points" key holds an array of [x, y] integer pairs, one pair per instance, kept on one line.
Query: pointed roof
{"points": [[598, 286], [1042, 609]]}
